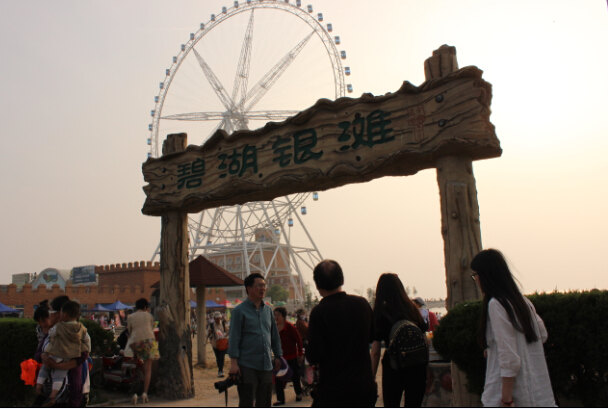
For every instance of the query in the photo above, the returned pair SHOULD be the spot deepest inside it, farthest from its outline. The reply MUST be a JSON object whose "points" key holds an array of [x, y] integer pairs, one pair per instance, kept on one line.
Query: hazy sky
{"points": [[79, 78]]}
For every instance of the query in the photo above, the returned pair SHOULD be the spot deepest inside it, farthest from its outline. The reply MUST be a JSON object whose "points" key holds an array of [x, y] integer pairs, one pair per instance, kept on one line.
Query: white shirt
{"points": [[141, 327], [425, 314], [509, 355]]}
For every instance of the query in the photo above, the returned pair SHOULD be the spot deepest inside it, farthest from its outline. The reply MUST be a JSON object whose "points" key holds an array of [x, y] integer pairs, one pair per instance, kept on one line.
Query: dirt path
{"points": [[207, 396], [205, 393]]}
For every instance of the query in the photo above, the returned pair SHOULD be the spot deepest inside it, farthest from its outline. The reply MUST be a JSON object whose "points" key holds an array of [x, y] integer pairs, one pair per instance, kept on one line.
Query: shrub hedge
{"points": [[576, 350], [19, 342], [102, 341]]}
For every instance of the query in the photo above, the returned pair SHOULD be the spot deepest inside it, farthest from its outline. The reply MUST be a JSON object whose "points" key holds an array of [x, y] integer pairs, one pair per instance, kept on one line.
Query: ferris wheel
{"points": [[278, 58]]}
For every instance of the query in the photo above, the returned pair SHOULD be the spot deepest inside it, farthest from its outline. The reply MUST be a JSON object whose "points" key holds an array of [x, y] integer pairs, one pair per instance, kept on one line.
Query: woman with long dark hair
{"points": [[393, 304], [512, 334]]}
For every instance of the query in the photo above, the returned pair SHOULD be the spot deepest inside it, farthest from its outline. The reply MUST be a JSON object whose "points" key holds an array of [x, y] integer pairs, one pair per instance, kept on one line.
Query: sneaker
{"points": [[220, 374], [298, 398]]}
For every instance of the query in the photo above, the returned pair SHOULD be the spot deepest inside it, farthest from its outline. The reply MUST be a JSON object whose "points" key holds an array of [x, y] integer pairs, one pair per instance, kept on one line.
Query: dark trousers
{"points": [[219, 359], [411, 381], [255, 386], [297, 387]]}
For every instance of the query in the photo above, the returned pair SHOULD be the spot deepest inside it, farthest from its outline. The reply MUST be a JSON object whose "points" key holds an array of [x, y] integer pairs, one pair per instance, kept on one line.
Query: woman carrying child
{"points": [[77, 368]]}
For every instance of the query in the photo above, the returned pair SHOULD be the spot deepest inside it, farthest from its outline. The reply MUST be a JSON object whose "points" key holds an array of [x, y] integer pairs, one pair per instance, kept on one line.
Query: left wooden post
{"points": [[201, 322], [175, 341]]}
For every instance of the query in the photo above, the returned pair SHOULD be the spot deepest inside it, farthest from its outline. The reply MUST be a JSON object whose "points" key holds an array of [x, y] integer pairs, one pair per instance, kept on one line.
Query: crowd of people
{"points": [[341, 342], [64, 346], [344, 335], [63, 349], [108, 320]]}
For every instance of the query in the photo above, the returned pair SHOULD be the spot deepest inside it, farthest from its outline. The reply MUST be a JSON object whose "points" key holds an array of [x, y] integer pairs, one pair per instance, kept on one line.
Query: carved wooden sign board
{"points": [[328, 145]]}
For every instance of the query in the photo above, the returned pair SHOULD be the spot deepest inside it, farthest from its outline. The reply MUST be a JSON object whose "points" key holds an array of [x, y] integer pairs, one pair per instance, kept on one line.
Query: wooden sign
{"points": [[328, 145]]}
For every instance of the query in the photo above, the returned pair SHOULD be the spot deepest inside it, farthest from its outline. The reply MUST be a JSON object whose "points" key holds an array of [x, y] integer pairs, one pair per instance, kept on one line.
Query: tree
{"points": [[308, 303], [371, 296], [278, 293]]}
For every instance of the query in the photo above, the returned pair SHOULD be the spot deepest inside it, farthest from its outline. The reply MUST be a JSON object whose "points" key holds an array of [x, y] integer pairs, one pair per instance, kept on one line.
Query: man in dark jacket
{"points": [[339, 334]]}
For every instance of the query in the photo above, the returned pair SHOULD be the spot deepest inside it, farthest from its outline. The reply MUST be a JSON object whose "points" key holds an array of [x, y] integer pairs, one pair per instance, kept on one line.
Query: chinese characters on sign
{"points": [[301, 150], [190, 175], [296, 149], [368, 132], [238, 161]]}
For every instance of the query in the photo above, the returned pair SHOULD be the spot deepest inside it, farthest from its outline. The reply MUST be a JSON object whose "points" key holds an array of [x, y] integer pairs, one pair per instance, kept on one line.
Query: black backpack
{"points": [[407, 345]]}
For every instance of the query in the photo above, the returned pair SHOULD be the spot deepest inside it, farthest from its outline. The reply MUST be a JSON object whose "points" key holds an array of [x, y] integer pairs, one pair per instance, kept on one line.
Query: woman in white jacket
{"points": [[142, 343], [512, 334]]}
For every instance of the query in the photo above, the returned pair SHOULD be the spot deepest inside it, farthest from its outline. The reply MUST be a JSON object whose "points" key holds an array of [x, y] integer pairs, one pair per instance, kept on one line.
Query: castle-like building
{"points": [[126, 282]]}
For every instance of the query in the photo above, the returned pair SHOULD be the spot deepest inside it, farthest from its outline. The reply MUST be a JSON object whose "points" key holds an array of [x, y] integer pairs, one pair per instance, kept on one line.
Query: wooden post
{"points": [[175, 338], [459, 222], [201, 322]]}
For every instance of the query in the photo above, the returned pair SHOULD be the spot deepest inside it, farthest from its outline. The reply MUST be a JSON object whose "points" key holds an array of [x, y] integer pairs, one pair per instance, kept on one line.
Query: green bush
{"points": [[102, 340], [456, 339], [576, 351], [19, 342]]}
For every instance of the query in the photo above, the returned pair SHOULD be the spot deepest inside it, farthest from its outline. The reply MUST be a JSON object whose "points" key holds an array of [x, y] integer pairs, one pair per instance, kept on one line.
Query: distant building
{"points": [[90, 285], [50, 276], [85, 275], [264, 257], [128, 282], [22, 278]]}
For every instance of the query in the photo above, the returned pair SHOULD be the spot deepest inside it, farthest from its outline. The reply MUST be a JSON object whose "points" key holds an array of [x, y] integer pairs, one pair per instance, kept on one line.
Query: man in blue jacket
{"points": [[253, 338]]}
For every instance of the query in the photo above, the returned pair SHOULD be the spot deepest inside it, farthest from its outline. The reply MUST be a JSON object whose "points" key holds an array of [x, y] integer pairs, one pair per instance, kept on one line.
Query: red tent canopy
{"points": [[204, 272]]}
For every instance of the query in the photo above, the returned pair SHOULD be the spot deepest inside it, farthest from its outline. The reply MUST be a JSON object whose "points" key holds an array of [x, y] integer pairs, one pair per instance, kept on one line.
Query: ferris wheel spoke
{"points": [[197, 232], [270, 115], [244, 64], [268, 80], [195, 116], [256, 216], [217, 86]]}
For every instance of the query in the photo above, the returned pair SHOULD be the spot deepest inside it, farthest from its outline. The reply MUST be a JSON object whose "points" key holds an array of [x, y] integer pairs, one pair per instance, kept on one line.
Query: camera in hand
{"points": [[223, 385]]}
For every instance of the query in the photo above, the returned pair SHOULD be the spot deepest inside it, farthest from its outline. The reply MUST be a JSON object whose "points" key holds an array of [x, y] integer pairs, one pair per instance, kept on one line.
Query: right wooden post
{"points": [[459, 222]]}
